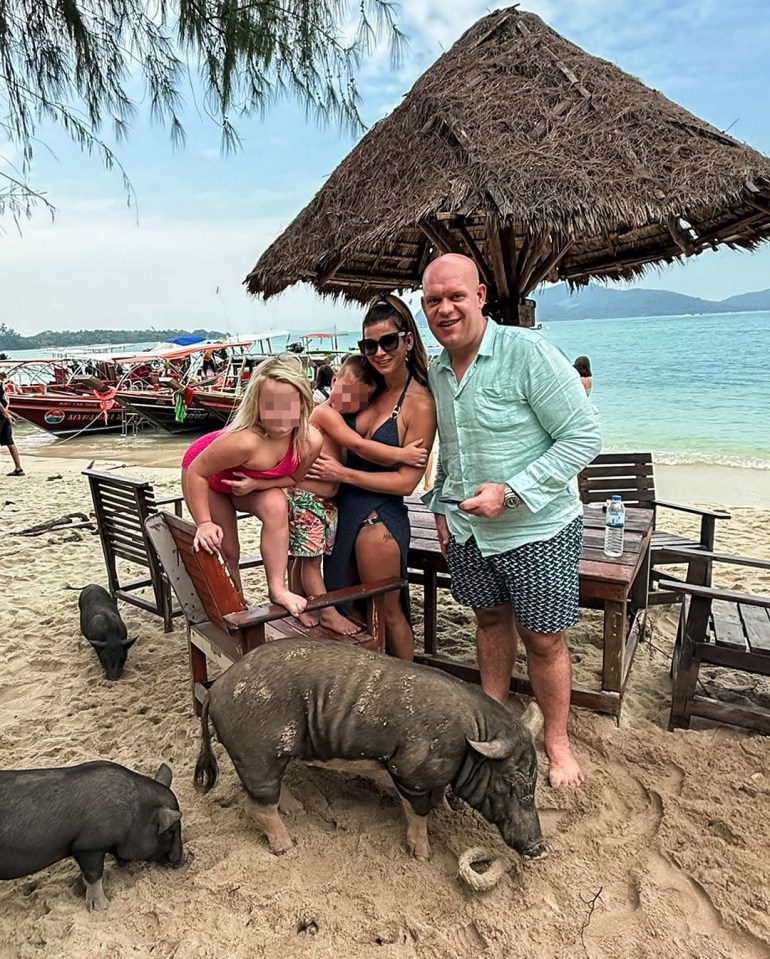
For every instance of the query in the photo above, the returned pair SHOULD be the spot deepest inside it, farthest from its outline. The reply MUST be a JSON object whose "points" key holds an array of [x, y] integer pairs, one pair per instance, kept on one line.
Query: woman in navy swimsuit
{"points": [[373, 528]]}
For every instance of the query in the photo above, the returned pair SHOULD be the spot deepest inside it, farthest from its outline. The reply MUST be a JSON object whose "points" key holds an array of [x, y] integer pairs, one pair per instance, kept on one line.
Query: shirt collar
{"points": [[486, 347]]}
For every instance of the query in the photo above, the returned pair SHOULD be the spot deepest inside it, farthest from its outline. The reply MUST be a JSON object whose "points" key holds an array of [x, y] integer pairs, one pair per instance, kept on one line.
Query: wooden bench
{"points": [[721, 628], [221, 627], [122, 505], [631, 475]]}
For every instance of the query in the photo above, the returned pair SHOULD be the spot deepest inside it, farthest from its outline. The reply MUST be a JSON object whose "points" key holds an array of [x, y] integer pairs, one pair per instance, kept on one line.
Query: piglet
{"points": [[84, 812], [102, 626]]}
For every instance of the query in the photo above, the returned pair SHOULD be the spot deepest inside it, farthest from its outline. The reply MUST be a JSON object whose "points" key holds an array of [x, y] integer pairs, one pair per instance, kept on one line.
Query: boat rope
{"points": [[87, 426]]}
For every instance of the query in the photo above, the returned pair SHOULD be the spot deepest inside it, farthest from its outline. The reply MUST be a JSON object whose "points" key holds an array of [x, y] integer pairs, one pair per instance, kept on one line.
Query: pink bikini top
{"points": [[286, 467]]}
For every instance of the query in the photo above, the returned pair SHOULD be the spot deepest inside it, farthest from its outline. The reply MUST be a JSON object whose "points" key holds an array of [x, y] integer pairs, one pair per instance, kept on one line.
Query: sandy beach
{"points": [[663, 852]]}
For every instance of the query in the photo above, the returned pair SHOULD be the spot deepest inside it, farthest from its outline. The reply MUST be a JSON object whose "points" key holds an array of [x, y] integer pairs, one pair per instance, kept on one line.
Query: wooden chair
{"points": [[221, 627], [721, 628], [631, 476], [122, 505]]}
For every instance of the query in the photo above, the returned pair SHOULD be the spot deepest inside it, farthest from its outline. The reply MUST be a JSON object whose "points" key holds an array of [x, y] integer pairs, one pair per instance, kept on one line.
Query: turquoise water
{"points": [[692, 389]]}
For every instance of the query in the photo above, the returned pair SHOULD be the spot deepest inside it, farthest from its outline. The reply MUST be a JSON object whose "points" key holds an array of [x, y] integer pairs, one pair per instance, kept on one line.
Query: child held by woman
{"points": [[312, 511], [248, 465]]}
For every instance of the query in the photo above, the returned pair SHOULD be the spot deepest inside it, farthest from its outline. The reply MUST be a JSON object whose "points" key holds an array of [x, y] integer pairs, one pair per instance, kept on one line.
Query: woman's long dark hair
{"points": [[393, 309]]}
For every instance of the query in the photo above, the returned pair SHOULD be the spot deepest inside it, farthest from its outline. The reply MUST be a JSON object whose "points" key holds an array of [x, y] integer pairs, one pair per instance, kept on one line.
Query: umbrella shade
{"points": [[539, 161]]}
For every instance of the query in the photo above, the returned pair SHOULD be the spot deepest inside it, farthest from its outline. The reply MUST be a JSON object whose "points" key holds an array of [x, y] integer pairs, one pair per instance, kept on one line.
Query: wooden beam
{"points": [[330, 270], [476, 255], [440, 237], [681, 237], [496, 258], [543, 270]]}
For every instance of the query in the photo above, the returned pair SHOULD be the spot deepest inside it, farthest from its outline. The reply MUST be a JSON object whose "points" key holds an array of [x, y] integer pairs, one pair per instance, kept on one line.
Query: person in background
{"points": [[323, 380], [583, 365], [6, 429], [514, 430], [209, 364], [247, 466]]}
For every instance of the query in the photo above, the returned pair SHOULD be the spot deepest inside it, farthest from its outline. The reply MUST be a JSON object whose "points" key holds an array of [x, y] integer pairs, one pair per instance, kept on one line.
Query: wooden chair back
{"points": [[209, 575], [629, 475], [122, 506]]}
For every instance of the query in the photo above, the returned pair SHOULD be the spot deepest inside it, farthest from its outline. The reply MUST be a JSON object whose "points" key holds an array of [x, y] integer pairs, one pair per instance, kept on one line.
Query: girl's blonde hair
{"points": [[281, 369]]}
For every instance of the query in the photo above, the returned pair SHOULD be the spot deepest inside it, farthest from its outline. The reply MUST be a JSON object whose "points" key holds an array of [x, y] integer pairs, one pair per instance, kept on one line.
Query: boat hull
{"points": [[220, 406], [65, 414], [158, 410]]}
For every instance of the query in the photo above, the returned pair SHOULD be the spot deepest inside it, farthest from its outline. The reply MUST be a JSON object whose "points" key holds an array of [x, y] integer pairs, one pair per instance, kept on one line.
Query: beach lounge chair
{"points": [[632, 476], [221, 627], [718, 627]]}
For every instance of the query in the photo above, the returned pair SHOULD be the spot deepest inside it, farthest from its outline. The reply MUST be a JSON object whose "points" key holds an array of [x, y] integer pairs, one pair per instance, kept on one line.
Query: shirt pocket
{"points": [[500, 410]]}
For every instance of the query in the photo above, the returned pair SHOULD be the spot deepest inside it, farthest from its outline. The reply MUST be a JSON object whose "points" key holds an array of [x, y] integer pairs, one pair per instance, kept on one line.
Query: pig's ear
{"points": [[97, 643], [167, 818], [164, 775], [129, 641], [494, 749]]}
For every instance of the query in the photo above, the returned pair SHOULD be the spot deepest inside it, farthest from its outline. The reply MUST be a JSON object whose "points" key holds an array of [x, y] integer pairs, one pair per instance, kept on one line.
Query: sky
{"points": [[177, 256]]}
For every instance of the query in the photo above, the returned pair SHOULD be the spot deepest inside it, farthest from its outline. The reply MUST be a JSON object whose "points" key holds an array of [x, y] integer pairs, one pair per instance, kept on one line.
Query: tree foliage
{"points": [[56, 339], [78, 63]]}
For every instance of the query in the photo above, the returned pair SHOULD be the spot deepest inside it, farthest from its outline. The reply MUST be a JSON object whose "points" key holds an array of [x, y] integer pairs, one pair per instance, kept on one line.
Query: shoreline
{"points": [[729, 487]]}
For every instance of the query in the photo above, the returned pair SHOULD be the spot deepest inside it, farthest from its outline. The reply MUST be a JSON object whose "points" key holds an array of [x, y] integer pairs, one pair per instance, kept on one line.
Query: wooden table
{"points": [[618, 586]]}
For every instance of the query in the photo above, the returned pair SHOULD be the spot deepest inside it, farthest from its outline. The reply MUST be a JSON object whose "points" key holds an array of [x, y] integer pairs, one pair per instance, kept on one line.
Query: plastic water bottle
{"points": [[614, 526]]}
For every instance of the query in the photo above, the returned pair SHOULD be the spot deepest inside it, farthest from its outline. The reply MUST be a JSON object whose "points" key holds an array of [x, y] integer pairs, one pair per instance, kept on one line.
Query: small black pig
{"points": [[85, 812], [102, 626]]}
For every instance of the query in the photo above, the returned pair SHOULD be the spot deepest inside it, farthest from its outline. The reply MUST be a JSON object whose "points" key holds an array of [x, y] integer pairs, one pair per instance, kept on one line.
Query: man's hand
{"points": [[443, 533], [488, 501]]}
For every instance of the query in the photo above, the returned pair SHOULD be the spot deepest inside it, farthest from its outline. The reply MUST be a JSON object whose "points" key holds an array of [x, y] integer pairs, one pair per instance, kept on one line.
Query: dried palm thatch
{"points": [[541, 162]]}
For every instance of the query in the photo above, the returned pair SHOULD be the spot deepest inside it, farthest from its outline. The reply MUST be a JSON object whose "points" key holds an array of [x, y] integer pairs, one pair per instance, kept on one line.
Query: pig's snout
{"points": [[180, 860], [537, 851]]}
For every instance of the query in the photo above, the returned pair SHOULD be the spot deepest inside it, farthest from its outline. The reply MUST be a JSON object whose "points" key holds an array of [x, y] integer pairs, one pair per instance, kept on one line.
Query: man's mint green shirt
{"points": [[518, 416]]}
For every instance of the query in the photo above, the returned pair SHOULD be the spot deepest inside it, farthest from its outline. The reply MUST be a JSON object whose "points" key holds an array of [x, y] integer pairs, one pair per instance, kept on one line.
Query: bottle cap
{"points": [[616, 498]]}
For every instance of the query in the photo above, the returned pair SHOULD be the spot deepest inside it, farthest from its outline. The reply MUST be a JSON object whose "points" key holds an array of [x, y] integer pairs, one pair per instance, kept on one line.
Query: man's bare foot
{"points": [[309, 619], [284, 597], [338, 623], [563, 769]]}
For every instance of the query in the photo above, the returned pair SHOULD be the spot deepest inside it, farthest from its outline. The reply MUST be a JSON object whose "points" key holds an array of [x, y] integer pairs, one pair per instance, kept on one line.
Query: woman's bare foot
{"points": [[563, 768], [338, 623], [309, 619], [284, 597]]}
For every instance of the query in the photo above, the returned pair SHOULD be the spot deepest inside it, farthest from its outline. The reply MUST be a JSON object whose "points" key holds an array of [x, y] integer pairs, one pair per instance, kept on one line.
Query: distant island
{"points": [[554, 304], [600, 302]]}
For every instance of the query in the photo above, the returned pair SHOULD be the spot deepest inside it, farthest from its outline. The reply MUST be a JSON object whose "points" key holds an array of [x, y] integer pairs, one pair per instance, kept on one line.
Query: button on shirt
{"points": [[519, 416]]}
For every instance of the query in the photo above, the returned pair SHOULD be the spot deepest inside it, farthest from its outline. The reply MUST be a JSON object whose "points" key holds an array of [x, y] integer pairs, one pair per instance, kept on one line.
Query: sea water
{"points": [[690, 389]]}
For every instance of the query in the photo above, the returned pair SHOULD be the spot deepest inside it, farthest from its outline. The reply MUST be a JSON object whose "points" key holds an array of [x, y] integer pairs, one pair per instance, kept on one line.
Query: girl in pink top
{"points": [[268, 447]]}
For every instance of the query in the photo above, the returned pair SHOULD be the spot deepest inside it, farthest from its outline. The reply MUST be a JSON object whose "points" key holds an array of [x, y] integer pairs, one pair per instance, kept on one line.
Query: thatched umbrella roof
{"points": [[540, 161]]}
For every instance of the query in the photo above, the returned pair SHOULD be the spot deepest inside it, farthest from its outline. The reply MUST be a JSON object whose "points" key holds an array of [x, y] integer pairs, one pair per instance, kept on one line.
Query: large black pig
{"points": [[84, 812], [321, 700], [102, 626]]}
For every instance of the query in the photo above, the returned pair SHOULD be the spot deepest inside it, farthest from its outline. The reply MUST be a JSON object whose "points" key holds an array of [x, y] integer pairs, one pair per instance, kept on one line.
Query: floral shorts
{"points": [[312, 523]]}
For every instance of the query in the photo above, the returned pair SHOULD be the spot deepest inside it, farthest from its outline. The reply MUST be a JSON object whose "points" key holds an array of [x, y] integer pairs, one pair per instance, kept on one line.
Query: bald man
{"points": [[515, 427]]}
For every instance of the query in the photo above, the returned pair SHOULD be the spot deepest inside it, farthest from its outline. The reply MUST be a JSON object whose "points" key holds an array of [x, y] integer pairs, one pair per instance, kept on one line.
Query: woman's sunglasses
{"points": [[389, 343]]}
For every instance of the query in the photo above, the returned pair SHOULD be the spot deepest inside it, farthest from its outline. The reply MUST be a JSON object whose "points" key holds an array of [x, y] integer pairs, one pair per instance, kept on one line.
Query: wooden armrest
{"points": [[708, 592], [255, 615], [717, 514], [690, 554], [164, 500]]}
